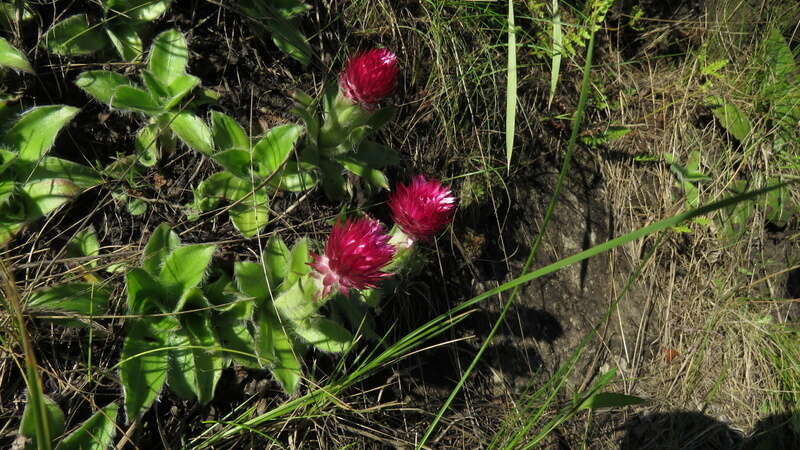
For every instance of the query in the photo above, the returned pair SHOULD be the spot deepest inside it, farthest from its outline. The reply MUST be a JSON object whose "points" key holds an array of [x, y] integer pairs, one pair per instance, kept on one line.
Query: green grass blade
{"points": [[558, 42], [511, 85]]}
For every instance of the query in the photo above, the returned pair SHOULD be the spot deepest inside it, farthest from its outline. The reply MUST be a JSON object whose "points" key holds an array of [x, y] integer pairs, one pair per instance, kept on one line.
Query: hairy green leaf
{"points": [[101, 84], [143, 365], [126, 41], [183, 269], [169, 56], [144, 292], [96, 433], [193, 131], [55, 422], [228, 134], [51, 167], [324, 334], [11, 57], [142, 10], [194, 372], [78, 298], [135, 99], [610, 400], [276, 257], [36, 130], [275, 147], [252, 214], [275, 346], [161, 243], [75, 36], [235, 161], [180, 88]]}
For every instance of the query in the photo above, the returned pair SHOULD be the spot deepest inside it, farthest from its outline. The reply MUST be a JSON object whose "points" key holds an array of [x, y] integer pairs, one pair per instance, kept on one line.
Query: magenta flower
{"points": [[356, 251], [369, 77], [422, 208]]}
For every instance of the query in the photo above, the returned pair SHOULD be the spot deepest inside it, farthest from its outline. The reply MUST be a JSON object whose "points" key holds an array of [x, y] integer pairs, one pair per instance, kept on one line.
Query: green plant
{"points": [[166, 86], [778, 102], [96, 433], [252, 170], [171, 340], [119, 28], [33, 184], [13, 58], [338, 143], [278, 19]]}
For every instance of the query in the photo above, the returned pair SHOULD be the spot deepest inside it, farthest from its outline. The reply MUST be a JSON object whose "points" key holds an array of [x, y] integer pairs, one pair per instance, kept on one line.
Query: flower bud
{"points": [[369, 77], [354, 254], [422, 208]]}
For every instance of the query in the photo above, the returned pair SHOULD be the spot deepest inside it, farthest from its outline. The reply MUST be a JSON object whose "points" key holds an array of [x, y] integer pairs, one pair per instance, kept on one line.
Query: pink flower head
{"points": [[369, 77], [422, 208], [356, 251]]}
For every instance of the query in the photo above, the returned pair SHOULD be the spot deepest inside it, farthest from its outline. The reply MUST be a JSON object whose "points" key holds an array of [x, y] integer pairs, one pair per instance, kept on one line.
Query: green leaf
{"points": [[276, 257], [126, 41], [144, 293], [36, 130], [324, 334], [101, 84], [146, 143], [8, 14], [46, 195], [274, 345], [79, 298], [731, 118], [779, 204], [193, 131], [143, 10], [376, 156], [296, 177], [233, 333], [275, 147], [253, 280], [610, 400], [180, 88], [143, 365], [84, 243], [227, 132], [11, 57], [169, 56], [96, 433], [50, 167], [74, 36], [135, 99], [184, 269], [156, 88], [373, 176], [136, 207], [161, 243], [298, 303], [299, 258], [220, 186], [333, 182], [779, 82], [511, 84], [55, 422], [194, 372], [251, 215], [235, 161]]}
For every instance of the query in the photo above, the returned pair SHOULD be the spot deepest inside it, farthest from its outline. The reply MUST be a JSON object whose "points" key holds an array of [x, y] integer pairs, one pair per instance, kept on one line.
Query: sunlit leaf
{"points": [[11, 57], [75, 36], [96, 433]]}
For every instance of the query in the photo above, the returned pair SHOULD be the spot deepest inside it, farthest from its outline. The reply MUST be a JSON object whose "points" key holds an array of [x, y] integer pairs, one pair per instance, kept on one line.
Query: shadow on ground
{"points": [[694, 430]]}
